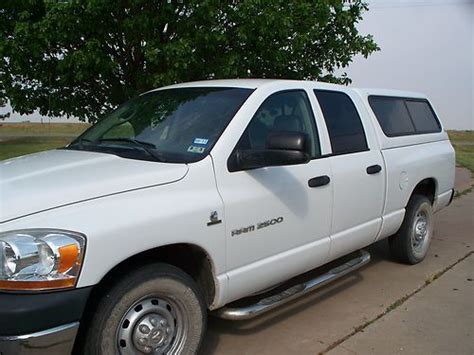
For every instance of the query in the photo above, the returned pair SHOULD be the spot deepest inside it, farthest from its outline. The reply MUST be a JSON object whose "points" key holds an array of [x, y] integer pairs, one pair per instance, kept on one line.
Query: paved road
{"points": [[436, 320], [463, 179], [364, 310]]}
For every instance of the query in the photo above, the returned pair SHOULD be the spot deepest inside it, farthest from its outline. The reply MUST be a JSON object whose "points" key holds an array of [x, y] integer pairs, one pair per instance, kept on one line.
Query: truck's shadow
{"points": [[217, 327]]}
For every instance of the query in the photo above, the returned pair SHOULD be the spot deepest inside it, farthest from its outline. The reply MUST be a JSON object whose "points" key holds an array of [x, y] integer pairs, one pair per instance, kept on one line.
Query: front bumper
{"points": [[40, 323], [54, 341]]}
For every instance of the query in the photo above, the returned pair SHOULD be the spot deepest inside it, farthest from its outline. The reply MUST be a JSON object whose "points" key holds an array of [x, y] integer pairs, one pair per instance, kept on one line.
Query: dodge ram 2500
{"points": [[191, 197]]}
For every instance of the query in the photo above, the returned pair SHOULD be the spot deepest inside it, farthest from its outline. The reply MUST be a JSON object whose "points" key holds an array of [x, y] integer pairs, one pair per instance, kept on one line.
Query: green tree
{"points": [[83, 58]]}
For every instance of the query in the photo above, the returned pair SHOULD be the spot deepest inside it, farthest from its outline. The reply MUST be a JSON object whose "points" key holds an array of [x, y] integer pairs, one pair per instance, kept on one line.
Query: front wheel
{"points": [[157, 309], [410, 244]]}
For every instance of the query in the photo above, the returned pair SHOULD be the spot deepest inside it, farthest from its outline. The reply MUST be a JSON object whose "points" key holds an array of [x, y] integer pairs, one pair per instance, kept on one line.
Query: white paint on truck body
{"points": [[131, 206]]}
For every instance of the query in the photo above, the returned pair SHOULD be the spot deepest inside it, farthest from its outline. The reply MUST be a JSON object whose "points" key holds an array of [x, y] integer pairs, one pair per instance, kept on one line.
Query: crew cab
{"points": [[191, 198]]}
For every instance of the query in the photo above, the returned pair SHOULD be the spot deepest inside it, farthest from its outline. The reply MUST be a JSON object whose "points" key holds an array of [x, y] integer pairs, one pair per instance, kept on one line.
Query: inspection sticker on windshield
{"points": [[196, 149], [202, 141]]}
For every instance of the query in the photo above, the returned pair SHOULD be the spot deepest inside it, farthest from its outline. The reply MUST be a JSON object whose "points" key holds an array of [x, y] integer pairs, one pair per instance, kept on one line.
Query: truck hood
{"points": [[54, 178]]}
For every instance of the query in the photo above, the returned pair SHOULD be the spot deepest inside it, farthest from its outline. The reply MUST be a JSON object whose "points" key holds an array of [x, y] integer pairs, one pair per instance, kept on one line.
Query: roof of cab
{"points": [[237, 83], [256, 83], [245, 83]]}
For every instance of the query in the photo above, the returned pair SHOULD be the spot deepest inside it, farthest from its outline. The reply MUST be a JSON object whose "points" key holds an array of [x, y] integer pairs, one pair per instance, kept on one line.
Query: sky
{"points": [[426, 46]]}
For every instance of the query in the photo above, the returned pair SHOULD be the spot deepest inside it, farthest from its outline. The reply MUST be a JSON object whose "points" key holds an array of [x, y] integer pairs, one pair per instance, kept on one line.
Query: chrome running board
{"points": [[278, 299]]}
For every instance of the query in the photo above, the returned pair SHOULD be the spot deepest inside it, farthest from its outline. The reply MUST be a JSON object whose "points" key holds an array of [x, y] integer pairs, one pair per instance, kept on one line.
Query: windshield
{"points": [[173, 125]]}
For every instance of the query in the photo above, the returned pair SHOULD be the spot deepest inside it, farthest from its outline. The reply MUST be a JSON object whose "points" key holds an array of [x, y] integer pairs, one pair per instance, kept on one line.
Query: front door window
{"points": [[283, 111]]}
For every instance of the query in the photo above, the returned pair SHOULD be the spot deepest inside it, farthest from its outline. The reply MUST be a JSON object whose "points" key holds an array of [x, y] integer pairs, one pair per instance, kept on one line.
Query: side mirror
{"points": [[282, 148]]}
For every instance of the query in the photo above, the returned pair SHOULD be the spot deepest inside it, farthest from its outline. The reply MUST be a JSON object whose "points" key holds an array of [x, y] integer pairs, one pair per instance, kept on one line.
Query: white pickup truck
{"points": [[191, 197]]}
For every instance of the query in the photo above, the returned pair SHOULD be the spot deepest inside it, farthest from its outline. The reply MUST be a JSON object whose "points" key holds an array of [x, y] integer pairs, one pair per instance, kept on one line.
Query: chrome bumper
{"points": [[54, 341]]}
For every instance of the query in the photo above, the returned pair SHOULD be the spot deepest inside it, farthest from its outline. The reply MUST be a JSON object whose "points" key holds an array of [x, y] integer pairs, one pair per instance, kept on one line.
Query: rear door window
{"points": [[399, 116], [343, 122]]}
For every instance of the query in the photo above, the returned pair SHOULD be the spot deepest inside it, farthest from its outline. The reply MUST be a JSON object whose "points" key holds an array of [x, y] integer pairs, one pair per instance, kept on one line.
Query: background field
{"points": [[24, 138], [463, 142]]}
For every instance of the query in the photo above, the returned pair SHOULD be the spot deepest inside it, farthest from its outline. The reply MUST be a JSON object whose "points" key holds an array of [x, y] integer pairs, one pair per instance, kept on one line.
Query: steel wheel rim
{"points": [[153, 325], [421, 231]]}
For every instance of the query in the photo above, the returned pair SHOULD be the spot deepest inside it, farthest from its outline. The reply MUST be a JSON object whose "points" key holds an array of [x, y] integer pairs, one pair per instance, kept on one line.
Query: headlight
{"points": [[40, 259]]}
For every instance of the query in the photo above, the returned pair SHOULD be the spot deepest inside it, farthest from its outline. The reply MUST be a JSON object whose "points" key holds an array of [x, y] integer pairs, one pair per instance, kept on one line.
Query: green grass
{"points": [[22, 146], [25, 138], [461, 136], [463, 142], [45, 129]]}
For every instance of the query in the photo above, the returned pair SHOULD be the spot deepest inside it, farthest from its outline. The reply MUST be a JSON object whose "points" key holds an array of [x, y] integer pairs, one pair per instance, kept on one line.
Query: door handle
{"points": [[374, 169], [319, 181]]}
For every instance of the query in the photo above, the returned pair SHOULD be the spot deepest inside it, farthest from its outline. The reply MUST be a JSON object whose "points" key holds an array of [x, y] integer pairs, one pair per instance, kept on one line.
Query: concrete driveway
{"points": [[384, 308]]}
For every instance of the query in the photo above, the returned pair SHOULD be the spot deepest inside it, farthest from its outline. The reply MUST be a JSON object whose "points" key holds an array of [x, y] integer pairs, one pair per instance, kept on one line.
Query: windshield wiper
{"points": [[129, 140], [146, 146]]}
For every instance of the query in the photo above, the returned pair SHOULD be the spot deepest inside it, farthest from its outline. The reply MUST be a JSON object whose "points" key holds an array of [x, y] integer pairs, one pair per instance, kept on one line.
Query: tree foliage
{"points": [[84, 57]]}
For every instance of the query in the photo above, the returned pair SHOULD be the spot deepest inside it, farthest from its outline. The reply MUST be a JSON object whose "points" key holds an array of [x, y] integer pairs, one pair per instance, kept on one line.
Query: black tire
{"points": [[409, 245], [148, 299]]}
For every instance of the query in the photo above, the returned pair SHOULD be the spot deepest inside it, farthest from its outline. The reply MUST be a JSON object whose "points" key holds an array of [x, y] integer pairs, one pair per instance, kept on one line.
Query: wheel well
{"points": [[426, 187], [188, 257]]}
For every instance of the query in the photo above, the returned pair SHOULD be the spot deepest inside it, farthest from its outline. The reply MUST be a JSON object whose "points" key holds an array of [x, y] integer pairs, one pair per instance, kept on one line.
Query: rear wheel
{"points": [[157, 309], [410, 244]]}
